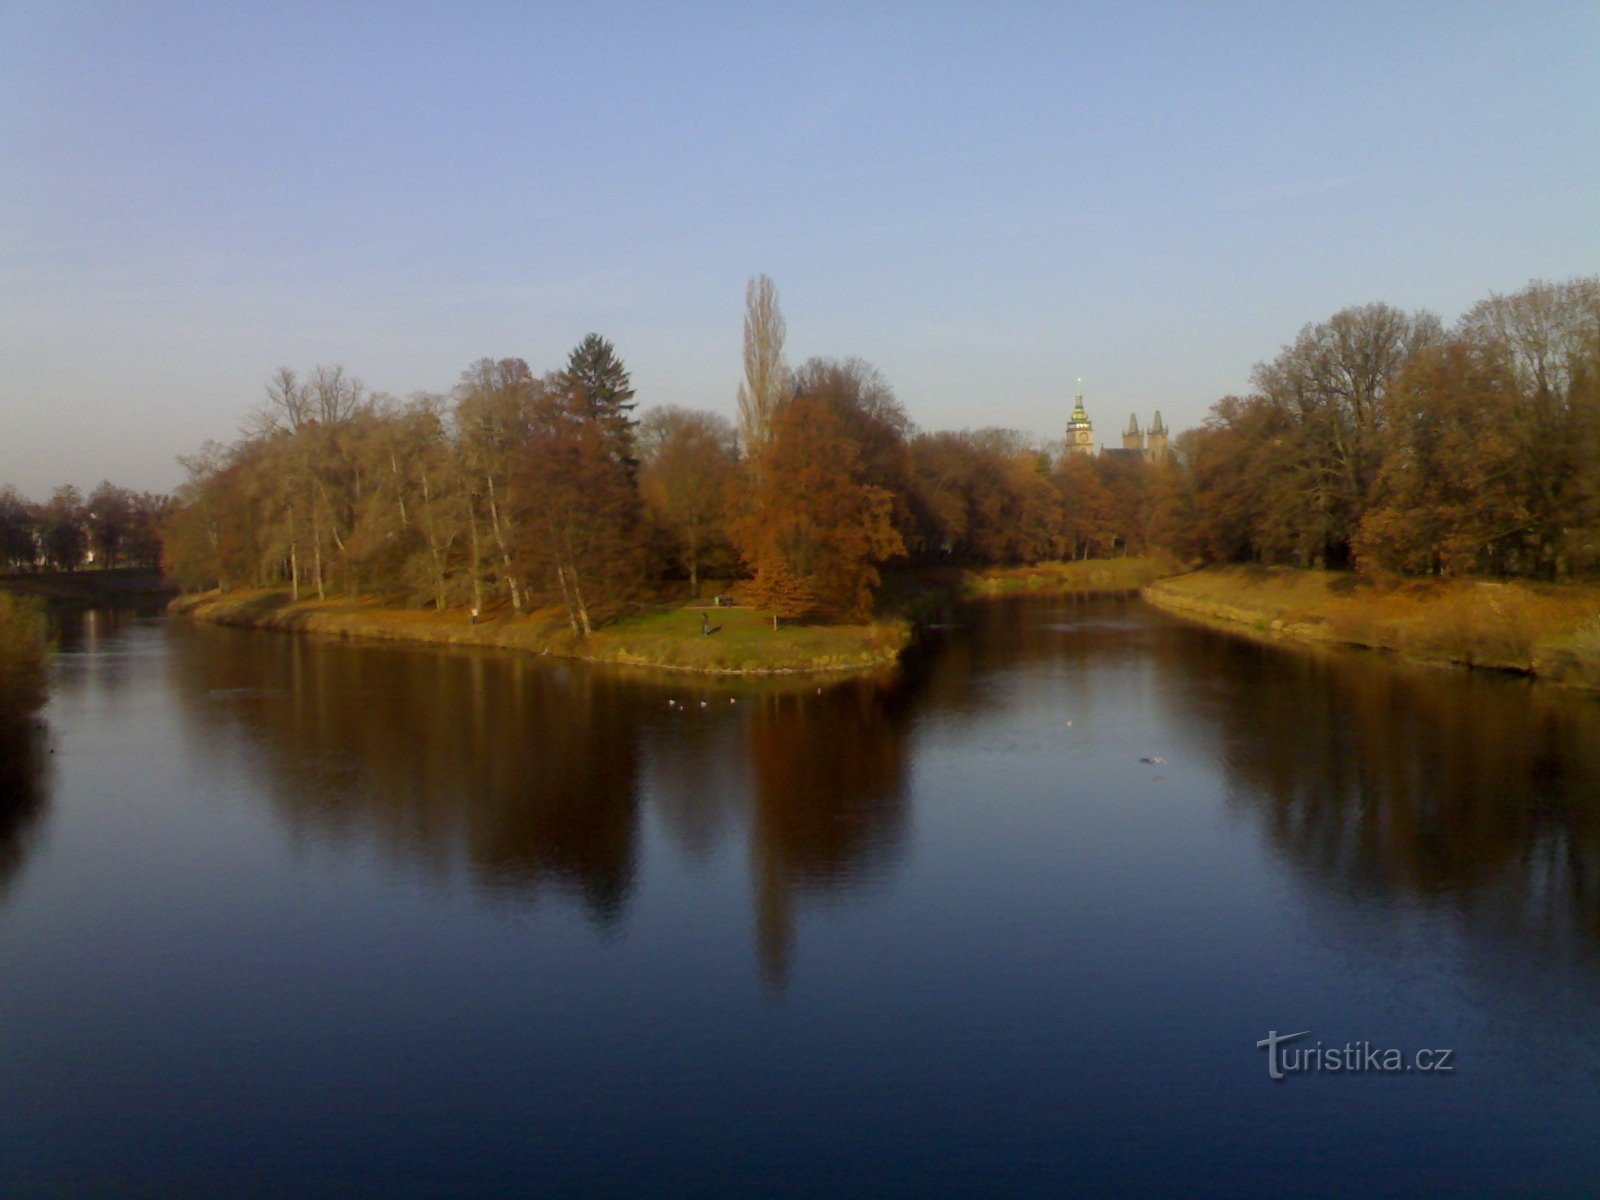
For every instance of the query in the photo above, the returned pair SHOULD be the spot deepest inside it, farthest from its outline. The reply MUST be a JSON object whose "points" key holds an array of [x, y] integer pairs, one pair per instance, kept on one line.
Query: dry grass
{"points": [[1087, 575], [1573, 657], [1552, 630], [744, 641], [24, 646], [669, 635]]}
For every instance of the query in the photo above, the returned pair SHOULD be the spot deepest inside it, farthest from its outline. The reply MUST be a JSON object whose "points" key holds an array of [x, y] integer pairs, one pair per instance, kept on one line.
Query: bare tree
{"points": [[335, 396], [766, 376], [288, 403]]}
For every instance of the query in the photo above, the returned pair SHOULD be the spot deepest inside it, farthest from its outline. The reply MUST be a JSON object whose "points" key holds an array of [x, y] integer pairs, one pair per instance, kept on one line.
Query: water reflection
{"points": [[532, 776], [1380, 779], [531, 779], [526, 776], [830, 801], [24, 763]]}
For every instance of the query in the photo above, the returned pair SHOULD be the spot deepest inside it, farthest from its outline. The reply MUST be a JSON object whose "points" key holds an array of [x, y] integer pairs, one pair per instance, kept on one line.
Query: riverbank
{"points": [[743, 641], [1551, 631], [24, 648], [91, 587]]}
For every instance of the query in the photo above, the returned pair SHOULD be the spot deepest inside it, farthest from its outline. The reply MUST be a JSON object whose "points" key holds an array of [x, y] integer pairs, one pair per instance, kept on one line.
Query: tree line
{"points": [[521, 489], [1377, 438], [1380, 439], [113, 527]]}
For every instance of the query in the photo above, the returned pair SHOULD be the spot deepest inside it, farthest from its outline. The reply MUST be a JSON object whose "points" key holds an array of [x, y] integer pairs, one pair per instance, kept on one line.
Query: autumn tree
{"points": [[63, 534], [857, 393], [1088, 508], [812, 529], [110, 522], [1328, 386], [1547, 338], [1493, 458], [577, 506], [1246, 467], [1174, 505], [492, 420], [685, 481], [1446, 500], [18, 548], [983, 496]]}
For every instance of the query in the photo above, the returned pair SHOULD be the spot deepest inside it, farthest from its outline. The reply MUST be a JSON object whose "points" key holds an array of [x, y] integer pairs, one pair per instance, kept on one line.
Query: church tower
{"points": [[1080, 430], [1132, 438], [1156, 452]]}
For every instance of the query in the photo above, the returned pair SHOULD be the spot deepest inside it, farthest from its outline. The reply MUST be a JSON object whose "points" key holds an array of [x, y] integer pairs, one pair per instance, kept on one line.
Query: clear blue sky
{"points": [[983, 200]]}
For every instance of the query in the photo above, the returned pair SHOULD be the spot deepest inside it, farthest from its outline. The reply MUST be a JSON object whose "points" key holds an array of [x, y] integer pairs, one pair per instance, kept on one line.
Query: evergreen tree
{"points": [[597, 378]]}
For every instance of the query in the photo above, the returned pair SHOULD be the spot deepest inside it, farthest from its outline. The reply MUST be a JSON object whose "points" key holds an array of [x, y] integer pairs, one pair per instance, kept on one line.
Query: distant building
{"points": [[1150, 446], [1080, 430]]}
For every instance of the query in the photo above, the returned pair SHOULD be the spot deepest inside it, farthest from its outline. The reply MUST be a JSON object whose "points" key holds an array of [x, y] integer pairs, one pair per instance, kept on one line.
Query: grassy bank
{"points": [[1548, 630], [744, 641], [1066, 578], [23, 649], [669, 637]]}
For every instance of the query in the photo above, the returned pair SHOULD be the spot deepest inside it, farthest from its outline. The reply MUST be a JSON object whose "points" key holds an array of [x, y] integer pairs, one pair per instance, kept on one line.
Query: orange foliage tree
{"points": [[812, 530]]}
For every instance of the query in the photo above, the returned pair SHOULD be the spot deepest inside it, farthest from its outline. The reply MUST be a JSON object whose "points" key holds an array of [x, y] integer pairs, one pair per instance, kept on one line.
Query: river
{"points": [[282, 916]]}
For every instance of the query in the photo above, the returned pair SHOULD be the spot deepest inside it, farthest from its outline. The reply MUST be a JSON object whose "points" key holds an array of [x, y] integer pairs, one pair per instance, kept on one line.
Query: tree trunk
{"points": [[583, 609], [399, 488], [294, 557], [505, 554], [316, 553], [433, 543], [566, 599], [477, 575]]}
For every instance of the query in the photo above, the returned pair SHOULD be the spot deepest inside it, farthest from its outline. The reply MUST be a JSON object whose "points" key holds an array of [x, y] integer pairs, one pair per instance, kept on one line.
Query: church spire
{"points": [[1080, 430]]}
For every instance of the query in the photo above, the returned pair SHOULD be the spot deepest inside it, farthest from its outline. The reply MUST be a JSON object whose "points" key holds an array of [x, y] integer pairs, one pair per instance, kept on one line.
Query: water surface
{"points": [[286, 916]]}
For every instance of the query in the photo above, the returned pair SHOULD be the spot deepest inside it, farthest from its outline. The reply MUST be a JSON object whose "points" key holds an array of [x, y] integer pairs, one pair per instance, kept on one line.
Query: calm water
{"points": [[280, 916]]}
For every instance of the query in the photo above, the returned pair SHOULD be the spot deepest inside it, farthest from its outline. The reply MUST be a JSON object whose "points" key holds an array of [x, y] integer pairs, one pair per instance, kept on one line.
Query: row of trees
{"points": [[114, 527], [522, 489], [1382, 440], [1377, 438]]}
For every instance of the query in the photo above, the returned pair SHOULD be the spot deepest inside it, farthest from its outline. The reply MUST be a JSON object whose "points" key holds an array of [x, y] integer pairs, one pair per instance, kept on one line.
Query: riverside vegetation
{"points": [[23, 649], [670, 636], [1548, 630], [538, 509]]}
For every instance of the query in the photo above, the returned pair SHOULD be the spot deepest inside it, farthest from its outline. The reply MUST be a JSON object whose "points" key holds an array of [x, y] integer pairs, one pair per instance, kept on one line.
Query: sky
{"points": [[986, 201]]}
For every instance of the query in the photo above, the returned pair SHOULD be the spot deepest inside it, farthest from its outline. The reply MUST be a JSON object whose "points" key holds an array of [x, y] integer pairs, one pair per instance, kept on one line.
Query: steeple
{"points": [[1080, 430], [1132, 438], [1157, 451]]}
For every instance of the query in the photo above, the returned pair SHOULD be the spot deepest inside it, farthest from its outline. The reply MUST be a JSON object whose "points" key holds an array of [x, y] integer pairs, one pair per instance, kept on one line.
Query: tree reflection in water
{"points": [[24, 771], [526, 775], [1383, 779], [1371, 778], [531, 774], [830, 801]]}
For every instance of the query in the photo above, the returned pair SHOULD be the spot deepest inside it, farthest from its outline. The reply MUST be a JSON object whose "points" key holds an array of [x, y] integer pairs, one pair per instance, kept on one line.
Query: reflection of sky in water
{"points": [[421, 916]]}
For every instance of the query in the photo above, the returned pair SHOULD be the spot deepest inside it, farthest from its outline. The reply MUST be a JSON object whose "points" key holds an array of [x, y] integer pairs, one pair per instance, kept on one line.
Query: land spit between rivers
{"points": [[1551, 631], [741, 641]]}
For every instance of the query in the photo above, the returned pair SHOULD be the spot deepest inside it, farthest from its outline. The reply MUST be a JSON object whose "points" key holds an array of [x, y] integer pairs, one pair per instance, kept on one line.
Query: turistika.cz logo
{"points": [[1316, 1058]]}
